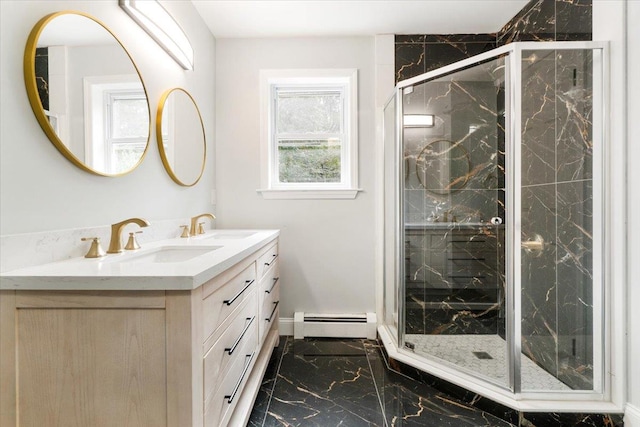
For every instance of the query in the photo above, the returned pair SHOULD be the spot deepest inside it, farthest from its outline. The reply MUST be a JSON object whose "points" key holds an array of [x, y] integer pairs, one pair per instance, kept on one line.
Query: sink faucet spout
{"points": [[115, 245], [193, 230]]}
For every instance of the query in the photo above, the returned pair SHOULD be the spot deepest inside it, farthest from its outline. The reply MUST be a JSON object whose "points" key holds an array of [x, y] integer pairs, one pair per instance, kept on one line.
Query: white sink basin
{"points": [[228, 234], [168, 254]]}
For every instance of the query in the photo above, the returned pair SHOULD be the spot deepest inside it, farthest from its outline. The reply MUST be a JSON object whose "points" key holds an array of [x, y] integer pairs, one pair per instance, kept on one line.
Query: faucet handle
{"points": [[185, 231], [132, 243], [95, 251], [201, 228]]}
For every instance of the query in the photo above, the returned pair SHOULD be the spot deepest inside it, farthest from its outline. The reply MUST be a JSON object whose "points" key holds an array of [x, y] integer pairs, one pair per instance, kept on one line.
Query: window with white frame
{"points": [[116, 122], [309, 133]]}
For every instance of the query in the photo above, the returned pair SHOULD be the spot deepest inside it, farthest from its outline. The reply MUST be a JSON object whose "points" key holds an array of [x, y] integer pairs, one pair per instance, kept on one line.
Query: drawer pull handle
{"points": [[274, 258], [275, 280], [273, 312], [231, 301], [244, 331], [232, 396]]}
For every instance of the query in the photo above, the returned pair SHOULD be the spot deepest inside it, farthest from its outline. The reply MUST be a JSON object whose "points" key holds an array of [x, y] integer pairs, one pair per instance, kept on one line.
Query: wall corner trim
{"points": [[632, 416]]}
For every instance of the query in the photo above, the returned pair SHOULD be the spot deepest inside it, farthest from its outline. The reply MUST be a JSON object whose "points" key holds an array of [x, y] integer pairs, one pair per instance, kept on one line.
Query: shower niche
{"points": [[494, 223]]}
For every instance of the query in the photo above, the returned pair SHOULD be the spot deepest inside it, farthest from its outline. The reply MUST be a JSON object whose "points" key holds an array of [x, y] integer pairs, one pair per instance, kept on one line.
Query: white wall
{"points": [[327, 246], [632, 418], [39, 189], [608, 25]]}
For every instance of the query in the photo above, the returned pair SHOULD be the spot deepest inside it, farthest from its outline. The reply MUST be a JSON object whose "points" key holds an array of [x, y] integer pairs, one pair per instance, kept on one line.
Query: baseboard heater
{"points": [[361, 325]]}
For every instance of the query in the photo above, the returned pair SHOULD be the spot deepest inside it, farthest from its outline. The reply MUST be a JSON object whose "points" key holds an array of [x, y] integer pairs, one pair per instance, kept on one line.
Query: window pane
{"points": [[309, 160], [130, 118], [126, 156], [309, 112]]}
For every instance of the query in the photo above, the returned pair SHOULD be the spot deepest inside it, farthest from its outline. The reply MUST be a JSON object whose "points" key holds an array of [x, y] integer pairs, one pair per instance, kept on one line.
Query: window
{"points": [[309, 133], [116, 122]]}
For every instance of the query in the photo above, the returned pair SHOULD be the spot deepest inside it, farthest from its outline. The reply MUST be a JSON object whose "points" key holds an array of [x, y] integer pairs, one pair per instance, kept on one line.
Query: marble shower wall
{"points": [[557, 187], [556, 194], [539, 20], [549, 20]]}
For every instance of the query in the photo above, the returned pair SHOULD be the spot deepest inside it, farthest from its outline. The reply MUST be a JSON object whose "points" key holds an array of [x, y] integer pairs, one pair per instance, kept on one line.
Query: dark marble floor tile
{"points": [[266, 388], [407, 402], [324, 382], [572, 420]]}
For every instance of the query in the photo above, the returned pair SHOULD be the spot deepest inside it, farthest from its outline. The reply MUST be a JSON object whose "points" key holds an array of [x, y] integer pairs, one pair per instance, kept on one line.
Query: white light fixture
{"points": [[161, 26], [419, 120]]}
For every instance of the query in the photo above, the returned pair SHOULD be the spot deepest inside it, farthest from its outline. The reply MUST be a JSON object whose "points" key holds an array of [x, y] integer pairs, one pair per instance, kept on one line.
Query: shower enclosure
{"points": [[493, 221]]}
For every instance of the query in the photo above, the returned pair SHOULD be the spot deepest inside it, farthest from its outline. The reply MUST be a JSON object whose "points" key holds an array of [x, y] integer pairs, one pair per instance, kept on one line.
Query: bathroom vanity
{"points": [[176, 334]]}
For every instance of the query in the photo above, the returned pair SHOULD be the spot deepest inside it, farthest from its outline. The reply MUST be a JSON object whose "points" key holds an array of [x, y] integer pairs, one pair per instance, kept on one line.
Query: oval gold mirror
{"points": [[443, 167], [180, 136], [87, 94]]}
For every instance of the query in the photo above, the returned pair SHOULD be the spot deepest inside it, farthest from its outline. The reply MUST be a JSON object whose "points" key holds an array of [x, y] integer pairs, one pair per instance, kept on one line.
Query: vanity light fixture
{"points": [[419, 120], [161, 26]]}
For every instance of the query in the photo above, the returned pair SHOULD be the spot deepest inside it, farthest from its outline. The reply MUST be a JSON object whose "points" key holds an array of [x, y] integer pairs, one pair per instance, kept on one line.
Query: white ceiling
{"points": [[311, 18]]}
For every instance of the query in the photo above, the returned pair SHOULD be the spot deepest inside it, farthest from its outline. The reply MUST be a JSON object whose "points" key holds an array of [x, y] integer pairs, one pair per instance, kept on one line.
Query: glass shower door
{"points": [[560, 287], [453, 192]]}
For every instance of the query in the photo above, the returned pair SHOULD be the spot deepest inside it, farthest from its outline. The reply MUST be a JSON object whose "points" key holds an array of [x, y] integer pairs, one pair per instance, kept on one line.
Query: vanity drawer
{"points": [[221, 303], [266, 260], [269, 311], [220, 407], [239, 338]]}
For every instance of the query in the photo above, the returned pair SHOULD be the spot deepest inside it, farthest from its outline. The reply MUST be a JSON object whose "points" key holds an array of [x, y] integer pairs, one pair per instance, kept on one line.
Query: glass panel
{"points": [[557, 220], [454, 221], [309, 160], [309, 111], [130, 117], [390, 217], [125, 156]]}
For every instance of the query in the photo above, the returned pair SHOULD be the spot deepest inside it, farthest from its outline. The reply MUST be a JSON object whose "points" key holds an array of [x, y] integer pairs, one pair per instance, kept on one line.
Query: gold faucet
{"points": [[115, 245], [194, 224]]}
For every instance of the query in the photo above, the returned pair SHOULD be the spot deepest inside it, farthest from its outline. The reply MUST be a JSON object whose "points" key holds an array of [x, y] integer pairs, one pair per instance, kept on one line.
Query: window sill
{"points": [[309, 194]]}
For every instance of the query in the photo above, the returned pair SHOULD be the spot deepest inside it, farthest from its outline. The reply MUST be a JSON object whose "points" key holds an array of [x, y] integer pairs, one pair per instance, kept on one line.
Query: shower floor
{"points": [[471, 351]]}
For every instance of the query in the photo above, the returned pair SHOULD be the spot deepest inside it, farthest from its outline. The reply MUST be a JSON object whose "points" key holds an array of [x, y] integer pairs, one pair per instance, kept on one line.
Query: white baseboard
{"points": [[286, 326], [631, 416]]}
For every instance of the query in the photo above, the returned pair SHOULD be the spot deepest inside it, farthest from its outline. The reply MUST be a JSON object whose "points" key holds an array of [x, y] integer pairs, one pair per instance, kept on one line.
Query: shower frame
{"points": [[392, 329]]}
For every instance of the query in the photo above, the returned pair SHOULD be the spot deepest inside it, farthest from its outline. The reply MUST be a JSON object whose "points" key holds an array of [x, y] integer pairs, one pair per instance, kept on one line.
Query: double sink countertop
{"points": [[173, 264]]}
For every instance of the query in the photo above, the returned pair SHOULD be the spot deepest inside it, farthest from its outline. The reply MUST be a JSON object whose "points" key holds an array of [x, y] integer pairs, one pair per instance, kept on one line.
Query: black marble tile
{"points": [[42, 75], [438, 55], [535, 22], [572, 420], [574, 20], [324, 383], [409, 60], [538, 118], [461, 321], [263, 397], [538, 279], [574, 116], [460, 38], [407, 402], [575, 284], [410, 38]]}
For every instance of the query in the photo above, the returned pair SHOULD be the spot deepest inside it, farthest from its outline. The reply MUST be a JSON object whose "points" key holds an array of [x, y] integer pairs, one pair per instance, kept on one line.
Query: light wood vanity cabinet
{"points": [[140, 358]]}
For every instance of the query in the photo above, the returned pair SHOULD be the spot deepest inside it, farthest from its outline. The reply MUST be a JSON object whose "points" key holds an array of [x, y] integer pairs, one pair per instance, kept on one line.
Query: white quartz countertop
{"points": [[123, 272]]}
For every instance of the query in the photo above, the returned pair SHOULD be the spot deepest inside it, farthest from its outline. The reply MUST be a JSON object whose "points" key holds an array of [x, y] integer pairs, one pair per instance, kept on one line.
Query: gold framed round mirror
{"points": [[180, 136], [443, 167], [87, 94]]}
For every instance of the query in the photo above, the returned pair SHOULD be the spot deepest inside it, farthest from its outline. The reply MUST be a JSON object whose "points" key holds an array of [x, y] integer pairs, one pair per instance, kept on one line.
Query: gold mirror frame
{"points": [[36, 103], [159, 120], [455, 184]]}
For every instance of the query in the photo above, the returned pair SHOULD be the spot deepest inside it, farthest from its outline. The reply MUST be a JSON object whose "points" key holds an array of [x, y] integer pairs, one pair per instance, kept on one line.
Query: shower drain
{"points": [[482, 355]]}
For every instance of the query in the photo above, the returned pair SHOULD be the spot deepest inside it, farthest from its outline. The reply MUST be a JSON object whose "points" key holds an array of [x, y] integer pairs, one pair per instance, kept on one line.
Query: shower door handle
{"points": [[534, 246]]}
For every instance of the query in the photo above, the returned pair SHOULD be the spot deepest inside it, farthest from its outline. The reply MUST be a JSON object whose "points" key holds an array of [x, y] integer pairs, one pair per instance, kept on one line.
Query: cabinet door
{"points": [[91, 367]]}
